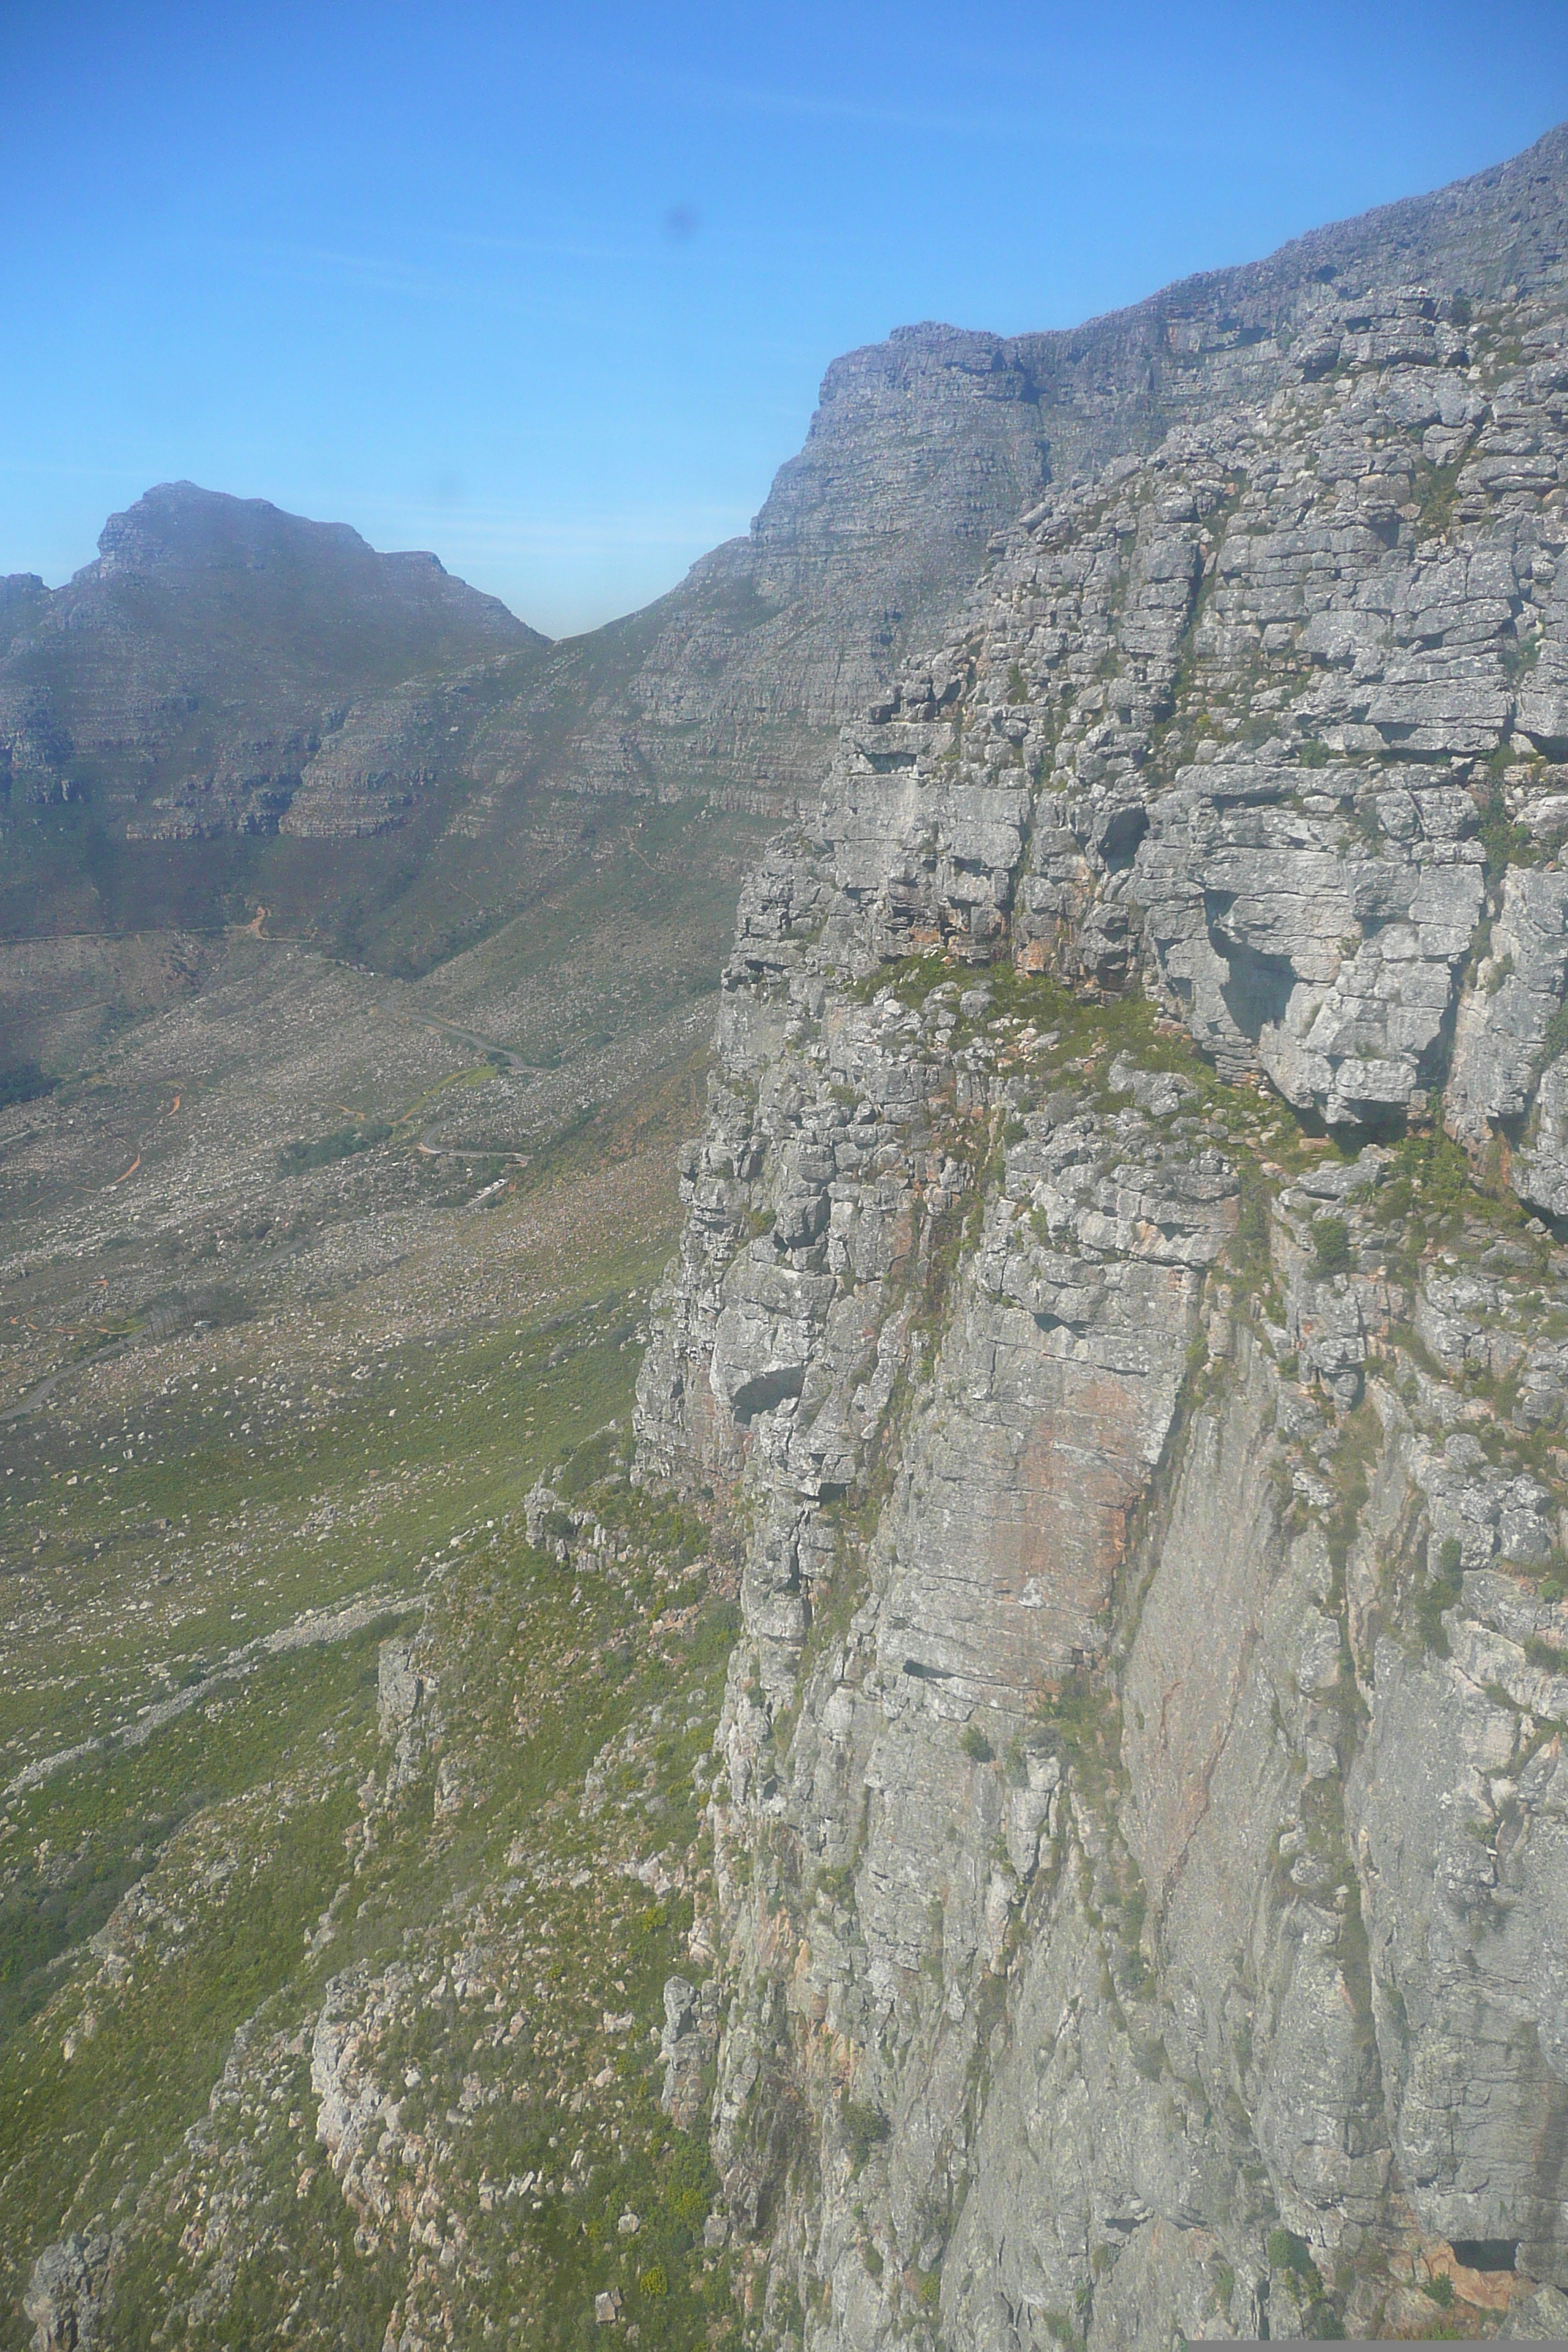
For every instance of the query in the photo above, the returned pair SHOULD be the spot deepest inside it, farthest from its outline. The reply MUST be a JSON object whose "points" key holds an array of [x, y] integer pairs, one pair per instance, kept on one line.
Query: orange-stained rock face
{"points": [[1152, 1515], [1008, 1548]]}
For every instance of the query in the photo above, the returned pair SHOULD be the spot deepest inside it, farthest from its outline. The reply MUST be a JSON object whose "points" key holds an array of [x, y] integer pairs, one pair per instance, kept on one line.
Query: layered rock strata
{"points": [[189, 678], [922, 446], [1117, 1314], [123, 685]]}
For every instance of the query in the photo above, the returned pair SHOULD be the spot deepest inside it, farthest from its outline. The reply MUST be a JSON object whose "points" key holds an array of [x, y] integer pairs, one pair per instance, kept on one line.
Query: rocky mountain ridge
{"points": [[732, 686], [190, 677], [924, 446], [1137, 1845], [1100, 1456]]}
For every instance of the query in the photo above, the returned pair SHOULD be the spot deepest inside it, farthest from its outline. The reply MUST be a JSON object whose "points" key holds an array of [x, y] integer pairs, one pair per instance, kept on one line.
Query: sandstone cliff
{"points": [[924, 445], [1117, 1355], [1120, 1315]]}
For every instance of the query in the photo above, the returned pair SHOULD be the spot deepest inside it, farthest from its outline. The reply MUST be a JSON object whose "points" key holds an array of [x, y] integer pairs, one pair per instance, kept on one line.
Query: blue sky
{"points": [[550, 289]]}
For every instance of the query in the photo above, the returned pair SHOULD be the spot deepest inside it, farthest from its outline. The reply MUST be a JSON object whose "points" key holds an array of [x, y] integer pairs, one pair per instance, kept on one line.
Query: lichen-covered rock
{"points": [[1539, 2318], [1137, 1838], [65, 2292]]}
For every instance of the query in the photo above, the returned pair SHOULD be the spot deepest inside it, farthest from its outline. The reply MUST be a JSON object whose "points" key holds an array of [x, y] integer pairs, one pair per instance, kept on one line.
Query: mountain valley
{"points": [[785, 1502]]}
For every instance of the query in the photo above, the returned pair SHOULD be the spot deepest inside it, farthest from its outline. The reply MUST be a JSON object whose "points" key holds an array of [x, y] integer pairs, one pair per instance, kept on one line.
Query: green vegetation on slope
{"points": [[240, 1865]]}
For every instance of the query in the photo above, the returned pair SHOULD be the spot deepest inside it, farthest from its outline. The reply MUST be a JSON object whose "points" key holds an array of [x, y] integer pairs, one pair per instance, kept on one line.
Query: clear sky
{"points": [[550, 289]]}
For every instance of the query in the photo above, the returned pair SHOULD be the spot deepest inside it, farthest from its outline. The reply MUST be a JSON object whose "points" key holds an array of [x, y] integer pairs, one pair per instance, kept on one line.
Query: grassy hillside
{"points": [[176, 1914], [308, 1271]]}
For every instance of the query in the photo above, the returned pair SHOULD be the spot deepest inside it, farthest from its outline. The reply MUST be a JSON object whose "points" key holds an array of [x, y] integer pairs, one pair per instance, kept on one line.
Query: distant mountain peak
{"points": [[215, 643], [181, 527]]}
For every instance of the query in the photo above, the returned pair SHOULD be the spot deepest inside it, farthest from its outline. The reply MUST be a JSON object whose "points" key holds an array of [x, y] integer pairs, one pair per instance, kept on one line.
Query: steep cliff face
{"points": [[1116, 1356], [1120, 1315], [923, 446]]}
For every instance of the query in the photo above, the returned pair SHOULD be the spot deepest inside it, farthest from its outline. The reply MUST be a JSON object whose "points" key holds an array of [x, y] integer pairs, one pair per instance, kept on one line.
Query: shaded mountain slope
{"points": [[188, 678]]}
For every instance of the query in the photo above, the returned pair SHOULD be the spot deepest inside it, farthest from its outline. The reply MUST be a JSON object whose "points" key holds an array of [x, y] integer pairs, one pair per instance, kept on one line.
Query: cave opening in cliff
{"points": [[1486, 2253]]}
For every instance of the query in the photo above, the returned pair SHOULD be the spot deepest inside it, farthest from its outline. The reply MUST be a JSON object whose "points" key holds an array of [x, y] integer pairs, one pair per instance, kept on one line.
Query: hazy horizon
{"points": [[556, 304]]}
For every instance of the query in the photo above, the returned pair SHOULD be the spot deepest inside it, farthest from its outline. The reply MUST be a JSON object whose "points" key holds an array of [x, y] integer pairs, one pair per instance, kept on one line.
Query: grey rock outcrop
{"points": [[407, 1711], [1137, 1832], [1275, 710], [685, 2048], [64, 2295], [1508, 1078], [1542, 2319]]}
